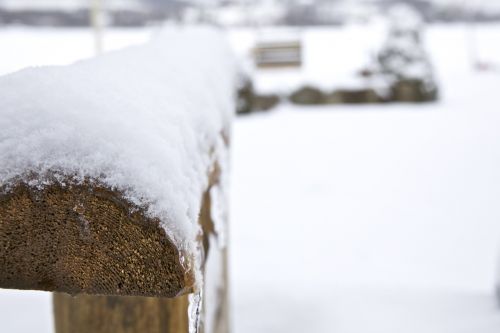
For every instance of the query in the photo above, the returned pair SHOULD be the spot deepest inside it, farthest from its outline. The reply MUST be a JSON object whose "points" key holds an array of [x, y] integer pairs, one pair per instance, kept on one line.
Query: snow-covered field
{"points": [[22, 47], [346, 219], [373, 219]]}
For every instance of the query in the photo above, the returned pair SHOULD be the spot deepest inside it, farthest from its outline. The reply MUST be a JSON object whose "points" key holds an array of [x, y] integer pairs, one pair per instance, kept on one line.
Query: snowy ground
{"points": [[373, 219], [348, 219]]}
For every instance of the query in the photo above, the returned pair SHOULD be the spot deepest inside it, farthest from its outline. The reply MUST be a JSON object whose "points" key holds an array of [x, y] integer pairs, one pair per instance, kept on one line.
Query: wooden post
{"points": [[118, 314]]}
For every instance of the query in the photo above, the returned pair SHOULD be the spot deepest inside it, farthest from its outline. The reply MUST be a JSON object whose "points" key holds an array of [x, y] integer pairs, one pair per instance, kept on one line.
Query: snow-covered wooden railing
{"points": [[111, 175]]}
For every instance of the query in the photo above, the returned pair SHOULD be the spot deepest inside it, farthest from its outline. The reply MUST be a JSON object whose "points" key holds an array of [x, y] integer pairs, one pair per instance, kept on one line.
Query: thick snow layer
{"points": [[142, 121]]}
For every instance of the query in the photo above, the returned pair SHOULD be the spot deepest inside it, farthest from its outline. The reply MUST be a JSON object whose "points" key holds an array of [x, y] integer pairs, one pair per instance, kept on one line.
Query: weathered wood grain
{"points": [[85, 239]]}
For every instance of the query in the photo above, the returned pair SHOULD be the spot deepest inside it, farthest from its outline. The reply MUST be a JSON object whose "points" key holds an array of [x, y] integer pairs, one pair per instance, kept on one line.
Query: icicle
{"points": [[194, 311]]}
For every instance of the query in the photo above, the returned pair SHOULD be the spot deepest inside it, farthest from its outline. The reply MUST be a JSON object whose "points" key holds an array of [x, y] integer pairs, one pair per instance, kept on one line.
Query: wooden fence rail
{"points": [[114, 263]]}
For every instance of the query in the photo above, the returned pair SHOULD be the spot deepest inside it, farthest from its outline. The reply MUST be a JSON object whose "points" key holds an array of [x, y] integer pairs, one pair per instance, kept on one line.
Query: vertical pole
{"points": [[472, 42], [471, 38], [120, 314], [97, 22]]}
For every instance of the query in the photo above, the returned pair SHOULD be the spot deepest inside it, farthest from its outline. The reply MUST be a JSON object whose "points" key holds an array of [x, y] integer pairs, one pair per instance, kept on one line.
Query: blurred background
{"points": [[365, 181]]}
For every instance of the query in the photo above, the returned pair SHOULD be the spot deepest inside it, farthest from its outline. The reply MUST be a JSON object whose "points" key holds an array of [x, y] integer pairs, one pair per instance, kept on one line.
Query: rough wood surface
{"points": [[84, 239], [116, 314]]}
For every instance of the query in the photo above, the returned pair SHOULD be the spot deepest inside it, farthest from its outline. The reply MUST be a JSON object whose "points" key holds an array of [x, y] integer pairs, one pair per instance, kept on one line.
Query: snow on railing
{"points": [[111, 174]]}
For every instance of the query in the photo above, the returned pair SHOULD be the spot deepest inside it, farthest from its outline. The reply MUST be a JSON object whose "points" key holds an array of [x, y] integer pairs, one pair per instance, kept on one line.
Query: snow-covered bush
{"points": [[402, 62], [308, 95], [249, 100]]}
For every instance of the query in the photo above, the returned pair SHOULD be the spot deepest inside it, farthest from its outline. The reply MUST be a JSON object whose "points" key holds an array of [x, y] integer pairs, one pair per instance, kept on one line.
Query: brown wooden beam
{"points": [[85, 239]]}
